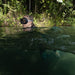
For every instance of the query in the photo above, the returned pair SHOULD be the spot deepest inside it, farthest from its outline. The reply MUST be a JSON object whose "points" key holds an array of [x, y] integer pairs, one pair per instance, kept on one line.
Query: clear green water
{"points": [[43, 51]]}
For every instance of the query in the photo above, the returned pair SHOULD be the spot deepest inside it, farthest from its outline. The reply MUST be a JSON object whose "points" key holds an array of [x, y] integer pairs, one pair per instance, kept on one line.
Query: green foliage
{"points": [[54, 12]]}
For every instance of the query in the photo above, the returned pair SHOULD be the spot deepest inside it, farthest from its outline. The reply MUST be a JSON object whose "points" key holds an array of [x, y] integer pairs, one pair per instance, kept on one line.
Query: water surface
{"points": [[44, 51]]}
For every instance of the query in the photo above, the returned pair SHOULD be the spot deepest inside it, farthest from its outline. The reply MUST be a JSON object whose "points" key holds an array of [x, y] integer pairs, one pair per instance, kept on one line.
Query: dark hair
{"points": [[24, 21]]}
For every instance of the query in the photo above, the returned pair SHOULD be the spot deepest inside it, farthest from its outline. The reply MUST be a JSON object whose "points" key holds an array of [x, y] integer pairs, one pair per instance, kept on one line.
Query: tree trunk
{"points": [[35, 6], [74, 4], [29, 6]]}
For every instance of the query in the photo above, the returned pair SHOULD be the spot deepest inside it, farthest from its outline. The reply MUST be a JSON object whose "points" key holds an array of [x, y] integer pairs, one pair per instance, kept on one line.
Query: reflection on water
{"points": [[37, 52]]}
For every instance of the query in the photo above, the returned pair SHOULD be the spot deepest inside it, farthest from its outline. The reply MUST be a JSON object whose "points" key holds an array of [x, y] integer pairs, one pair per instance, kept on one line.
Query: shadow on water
{"points": [[36, 52]]}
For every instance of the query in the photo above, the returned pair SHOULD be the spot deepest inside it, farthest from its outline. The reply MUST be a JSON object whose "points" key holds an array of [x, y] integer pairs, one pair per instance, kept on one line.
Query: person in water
{"points": [[27, 22]]}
